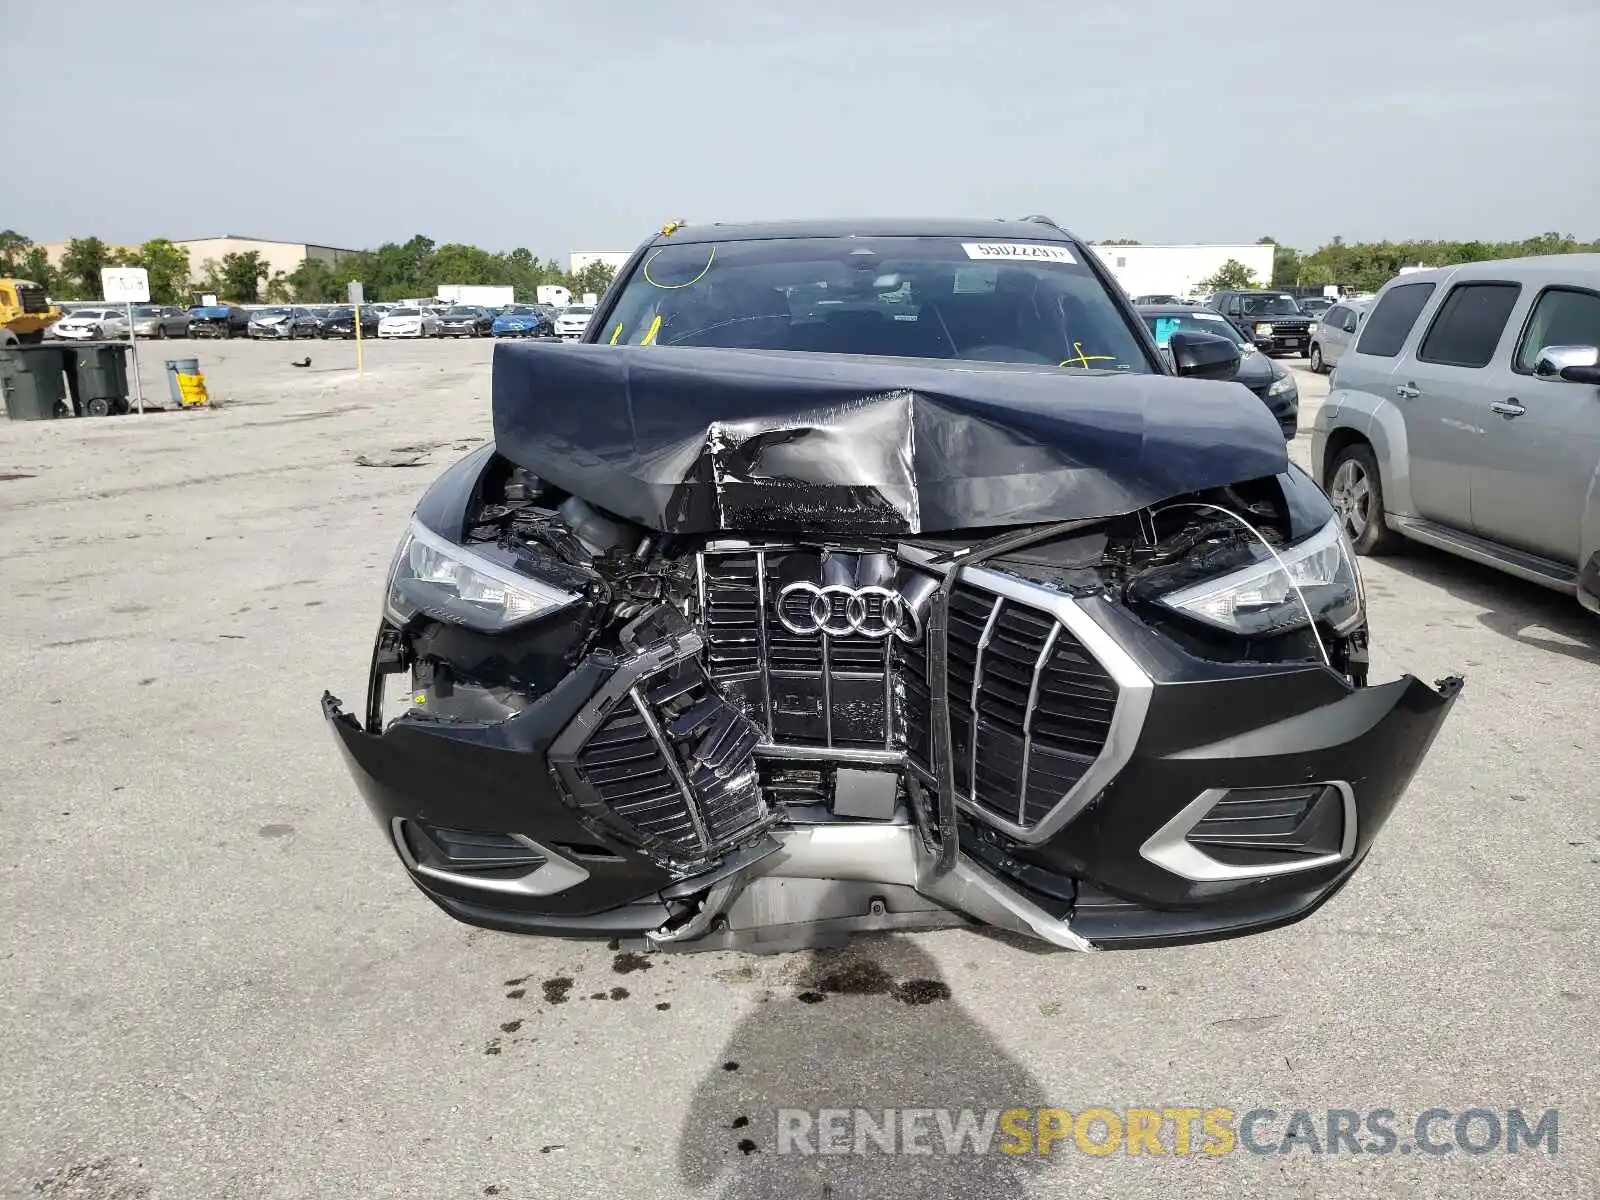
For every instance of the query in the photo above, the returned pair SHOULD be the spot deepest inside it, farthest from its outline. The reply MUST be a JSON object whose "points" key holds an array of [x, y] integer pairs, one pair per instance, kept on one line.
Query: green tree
{"points": [[81, 264], [278, 290], [312, 282], [13, 246], [21, 259], [241, 277], [595, 277], [1285, 262], [1120, 242], [168, 268], [1231, 276]]}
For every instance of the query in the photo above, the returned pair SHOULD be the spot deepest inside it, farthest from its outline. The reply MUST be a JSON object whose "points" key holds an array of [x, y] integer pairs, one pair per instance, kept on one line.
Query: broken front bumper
{"points": [[1246, 797]]}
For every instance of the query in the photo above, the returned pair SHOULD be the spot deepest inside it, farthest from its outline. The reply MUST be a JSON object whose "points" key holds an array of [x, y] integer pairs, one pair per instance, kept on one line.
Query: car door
{"points": [[1331, 335], [1529, 492], [1380, 364], [1446, 383]]}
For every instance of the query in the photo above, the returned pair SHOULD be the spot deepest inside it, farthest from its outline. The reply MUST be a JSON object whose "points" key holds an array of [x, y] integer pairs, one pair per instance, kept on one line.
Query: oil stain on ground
{"points": [[555, 990]]}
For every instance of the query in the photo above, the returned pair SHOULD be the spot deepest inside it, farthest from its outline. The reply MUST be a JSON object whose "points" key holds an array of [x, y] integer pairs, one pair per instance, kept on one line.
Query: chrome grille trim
{"points": [[1133, 695], [691, 802], [761, 628], [972, 701], [1027, 719]]}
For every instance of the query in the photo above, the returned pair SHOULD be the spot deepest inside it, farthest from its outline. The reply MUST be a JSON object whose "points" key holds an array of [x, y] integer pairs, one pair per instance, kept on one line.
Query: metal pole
{"points": [[360, 366], [133, 348]]}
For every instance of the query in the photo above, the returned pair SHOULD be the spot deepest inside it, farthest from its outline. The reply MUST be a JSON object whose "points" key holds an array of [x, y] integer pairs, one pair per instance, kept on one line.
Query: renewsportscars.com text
{"points": [[1165, 1131]]}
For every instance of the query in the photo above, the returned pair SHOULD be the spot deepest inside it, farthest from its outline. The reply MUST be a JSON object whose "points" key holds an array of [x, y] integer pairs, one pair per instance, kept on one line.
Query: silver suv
{"points": [[1334, 332], [1467, 416]]}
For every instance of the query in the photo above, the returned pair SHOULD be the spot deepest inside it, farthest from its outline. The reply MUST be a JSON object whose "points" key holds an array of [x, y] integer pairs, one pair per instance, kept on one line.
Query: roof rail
{"points": [[1041, 219]]}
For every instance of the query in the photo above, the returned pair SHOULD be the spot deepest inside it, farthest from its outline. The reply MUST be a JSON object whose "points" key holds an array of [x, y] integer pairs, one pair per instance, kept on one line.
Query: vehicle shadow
{"points": [[1513, 608], [870, 1026]]}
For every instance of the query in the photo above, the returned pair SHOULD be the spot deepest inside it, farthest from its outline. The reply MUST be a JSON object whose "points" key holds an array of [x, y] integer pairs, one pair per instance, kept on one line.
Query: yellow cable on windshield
{"points": [[1083, 360], [615, 334], [649, 338], [671, 287]]}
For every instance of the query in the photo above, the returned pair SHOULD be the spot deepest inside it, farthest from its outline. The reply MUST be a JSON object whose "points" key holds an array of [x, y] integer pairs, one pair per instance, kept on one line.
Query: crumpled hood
{"points": [[703, 440]]}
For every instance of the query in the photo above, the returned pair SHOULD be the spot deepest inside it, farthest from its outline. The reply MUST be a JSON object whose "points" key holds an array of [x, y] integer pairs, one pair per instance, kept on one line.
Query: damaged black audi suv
{"points": [[869, 576]]}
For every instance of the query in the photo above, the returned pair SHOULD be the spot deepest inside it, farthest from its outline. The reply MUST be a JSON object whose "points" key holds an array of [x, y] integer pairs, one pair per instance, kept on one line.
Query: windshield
{"points": [[271, 312], [147, 312], [918, 297], [1164, 325], [340, 312], [404, 312], [461, 312], [578, 311], [518, 310], [1269, 306]]}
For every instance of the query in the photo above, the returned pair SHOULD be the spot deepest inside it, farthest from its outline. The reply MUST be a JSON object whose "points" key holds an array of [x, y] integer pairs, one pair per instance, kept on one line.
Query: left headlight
{"points": [[1273, 595], [1282, 385], [433, 575]]}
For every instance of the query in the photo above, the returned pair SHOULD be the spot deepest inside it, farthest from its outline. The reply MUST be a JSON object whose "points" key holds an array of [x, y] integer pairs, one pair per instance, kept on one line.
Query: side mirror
{"points": [[1574, 364], [1203, 356]]}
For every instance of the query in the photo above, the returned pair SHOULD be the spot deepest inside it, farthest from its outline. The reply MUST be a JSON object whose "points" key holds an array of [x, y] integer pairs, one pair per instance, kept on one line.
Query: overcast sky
{"points": [[586, 123]]}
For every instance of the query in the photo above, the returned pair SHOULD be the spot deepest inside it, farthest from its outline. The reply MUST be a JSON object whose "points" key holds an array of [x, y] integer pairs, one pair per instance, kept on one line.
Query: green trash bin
{"points": [[101, 373], [32, 383]]}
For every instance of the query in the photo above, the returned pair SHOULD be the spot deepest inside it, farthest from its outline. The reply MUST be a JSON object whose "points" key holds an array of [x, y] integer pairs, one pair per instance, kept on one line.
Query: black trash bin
{"points": [[32, 383], [101, 373]]}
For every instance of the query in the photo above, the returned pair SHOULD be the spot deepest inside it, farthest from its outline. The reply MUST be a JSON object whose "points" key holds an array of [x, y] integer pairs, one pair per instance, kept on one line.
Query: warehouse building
{"points": [[279, 256], [1176, 270]]}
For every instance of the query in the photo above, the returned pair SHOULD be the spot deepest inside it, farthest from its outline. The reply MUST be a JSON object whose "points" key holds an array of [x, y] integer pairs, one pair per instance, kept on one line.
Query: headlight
{"points": [[1272, 596], [1263, 330], [450, 583], [1282, 385]]}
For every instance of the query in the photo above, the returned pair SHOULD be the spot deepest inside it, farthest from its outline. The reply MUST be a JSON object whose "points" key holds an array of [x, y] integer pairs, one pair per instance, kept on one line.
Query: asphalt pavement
{"points": [[216, 981]]}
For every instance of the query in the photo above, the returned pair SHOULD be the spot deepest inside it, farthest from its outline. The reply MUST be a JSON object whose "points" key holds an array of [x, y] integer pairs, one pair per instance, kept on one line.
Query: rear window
{"points": [[1468, 325], [917, 297], [1390, 323]]}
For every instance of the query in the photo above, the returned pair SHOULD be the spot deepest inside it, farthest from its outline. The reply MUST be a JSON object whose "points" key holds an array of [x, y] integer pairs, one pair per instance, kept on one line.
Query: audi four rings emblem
{"points": [[840, 610]]}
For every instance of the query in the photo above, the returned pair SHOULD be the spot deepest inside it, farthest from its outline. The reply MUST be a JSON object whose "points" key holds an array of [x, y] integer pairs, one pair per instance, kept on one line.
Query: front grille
{"points": [[32, 298], [1030, 707], [807, 689], [665, 762]]}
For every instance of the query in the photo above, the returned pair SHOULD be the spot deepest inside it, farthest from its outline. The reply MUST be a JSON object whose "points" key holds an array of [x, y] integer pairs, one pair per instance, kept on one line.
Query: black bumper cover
{"points": [[1206, 727]]}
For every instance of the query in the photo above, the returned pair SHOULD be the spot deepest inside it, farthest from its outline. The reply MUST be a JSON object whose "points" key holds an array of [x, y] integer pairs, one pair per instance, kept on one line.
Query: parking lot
{"points": [[216, 981]]}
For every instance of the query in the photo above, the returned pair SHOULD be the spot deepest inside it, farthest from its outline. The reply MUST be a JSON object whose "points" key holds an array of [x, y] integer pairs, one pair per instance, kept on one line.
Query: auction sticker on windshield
{"points": [[1033, 251]]}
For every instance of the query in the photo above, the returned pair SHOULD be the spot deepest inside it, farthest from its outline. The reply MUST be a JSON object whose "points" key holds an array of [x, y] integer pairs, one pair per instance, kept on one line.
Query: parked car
{"points": [[91, 325], [341, 323], [1159, 298], [1273, 319], [218, 321], [465, 320], [572, 321], [970, 600], [1315, 306], [287, 323], [408, 323], [160, 321], [523, 320], [1269, 380], [1332, 333], [1467, 417]]}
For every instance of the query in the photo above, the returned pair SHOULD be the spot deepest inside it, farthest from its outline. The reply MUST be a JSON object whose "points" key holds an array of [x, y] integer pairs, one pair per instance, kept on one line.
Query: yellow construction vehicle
{"points": [[25, 312]]}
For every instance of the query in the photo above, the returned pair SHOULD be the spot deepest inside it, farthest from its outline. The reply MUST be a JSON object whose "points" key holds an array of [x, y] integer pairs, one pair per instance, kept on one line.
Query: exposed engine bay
{"points": [[791, 697]]}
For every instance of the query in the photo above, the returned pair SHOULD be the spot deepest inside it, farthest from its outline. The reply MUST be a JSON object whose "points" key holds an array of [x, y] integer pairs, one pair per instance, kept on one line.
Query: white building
{"points": [[579, 259], [1176, 270]]}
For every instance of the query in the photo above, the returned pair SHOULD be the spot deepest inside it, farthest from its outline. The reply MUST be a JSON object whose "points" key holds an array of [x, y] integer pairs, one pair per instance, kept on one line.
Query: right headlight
{"points": [[1273, 595], [447, 582]]}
